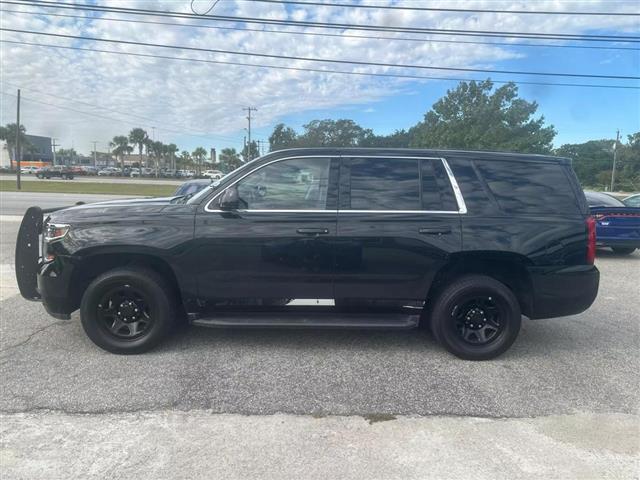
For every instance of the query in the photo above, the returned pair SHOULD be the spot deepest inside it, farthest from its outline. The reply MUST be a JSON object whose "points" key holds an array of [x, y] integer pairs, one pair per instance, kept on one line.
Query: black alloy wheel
{"points": [[475, 317], [478, 320], [124, 312], [128, 310]]}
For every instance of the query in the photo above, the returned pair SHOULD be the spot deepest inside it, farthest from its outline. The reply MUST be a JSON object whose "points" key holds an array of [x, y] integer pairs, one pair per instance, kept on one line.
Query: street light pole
{"points": [[615, 155], [18, 186]]}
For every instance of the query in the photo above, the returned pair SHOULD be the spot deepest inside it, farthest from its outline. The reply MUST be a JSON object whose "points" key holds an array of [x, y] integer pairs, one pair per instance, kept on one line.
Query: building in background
{"points": [[37, 149]]}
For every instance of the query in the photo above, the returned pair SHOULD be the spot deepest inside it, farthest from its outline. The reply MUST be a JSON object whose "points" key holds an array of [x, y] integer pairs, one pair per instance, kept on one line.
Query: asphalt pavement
{"points": [[248, 401]]}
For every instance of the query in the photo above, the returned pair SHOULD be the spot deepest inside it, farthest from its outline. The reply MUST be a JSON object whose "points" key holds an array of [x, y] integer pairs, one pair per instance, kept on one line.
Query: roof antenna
{"points": [[208, 10]]}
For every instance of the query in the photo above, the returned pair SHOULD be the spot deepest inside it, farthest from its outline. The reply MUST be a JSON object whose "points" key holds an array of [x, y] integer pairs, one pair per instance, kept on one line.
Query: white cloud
{"points": [[206, 99]]}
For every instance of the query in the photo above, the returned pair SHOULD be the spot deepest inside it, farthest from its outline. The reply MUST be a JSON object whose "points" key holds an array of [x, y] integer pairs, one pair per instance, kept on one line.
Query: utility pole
{"points": [[95, 153], [249, 110], [18, 186], [53, 147], [615, 156]]}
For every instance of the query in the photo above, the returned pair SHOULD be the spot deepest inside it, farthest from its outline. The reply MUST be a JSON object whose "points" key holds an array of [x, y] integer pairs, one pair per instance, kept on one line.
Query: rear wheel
{"points": [[476, 317], [127, 310], [623, 250]]}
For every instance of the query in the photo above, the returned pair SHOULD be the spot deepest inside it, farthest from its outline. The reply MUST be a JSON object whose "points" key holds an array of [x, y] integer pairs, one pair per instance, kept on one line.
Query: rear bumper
{"points": [[618, 242], [567, 291]]}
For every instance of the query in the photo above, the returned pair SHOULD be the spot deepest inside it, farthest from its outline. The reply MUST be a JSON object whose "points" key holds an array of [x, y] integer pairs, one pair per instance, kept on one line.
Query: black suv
{"points": [[465, 242], [59, 171]]}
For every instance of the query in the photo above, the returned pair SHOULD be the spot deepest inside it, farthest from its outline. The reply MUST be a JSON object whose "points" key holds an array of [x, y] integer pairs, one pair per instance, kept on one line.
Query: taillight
{"points": [[591, 240]]}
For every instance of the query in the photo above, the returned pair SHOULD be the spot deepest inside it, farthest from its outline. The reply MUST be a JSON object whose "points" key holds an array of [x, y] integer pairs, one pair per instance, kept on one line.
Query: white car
{"points": [[135, 172], [29, 170], [213, 174]]}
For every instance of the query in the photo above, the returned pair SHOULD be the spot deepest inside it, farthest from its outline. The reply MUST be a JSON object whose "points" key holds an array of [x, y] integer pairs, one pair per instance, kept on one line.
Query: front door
{"points": [[398, 221], [278, 244]]}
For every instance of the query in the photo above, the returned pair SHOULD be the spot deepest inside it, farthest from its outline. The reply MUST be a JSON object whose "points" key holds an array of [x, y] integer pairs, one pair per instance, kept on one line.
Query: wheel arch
{"points": [[90, 267], [508, 268]]}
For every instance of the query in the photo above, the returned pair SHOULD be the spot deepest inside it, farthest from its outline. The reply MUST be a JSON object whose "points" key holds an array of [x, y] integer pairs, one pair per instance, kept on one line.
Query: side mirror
{"points": [[230, 199]]}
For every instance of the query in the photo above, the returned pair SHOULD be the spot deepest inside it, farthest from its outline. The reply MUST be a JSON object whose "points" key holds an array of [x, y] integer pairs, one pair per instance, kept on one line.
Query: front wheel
{"points": [[127, 310], [476, 317], [623, 250]]}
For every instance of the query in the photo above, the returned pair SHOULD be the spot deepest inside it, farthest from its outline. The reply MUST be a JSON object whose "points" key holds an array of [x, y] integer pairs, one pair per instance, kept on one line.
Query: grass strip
{"points": [[69, 186]]}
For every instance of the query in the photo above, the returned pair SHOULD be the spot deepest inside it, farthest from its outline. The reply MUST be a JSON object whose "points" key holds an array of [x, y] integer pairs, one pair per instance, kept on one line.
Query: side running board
{"points": [[329, 319]]}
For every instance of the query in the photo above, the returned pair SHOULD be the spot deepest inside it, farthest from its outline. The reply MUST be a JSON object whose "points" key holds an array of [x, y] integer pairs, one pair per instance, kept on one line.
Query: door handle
{"points": [[435, 230], [313, 231]]}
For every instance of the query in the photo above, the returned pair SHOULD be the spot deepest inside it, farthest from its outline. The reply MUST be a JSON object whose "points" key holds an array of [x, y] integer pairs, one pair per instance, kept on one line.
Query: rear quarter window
{"points": [[529, 187]]}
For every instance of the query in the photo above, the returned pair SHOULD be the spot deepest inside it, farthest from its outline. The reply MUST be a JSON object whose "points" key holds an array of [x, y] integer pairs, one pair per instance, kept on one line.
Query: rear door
{"points": [[398, 222]]}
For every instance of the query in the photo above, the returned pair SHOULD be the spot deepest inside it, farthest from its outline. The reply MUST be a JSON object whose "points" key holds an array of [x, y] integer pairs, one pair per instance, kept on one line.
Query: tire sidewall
{"points": [[157, 296], [443, 322]]}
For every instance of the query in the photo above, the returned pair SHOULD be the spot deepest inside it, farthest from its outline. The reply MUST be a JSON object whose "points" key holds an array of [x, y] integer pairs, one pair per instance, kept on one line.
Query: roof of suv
{"points": [[411, 152]]}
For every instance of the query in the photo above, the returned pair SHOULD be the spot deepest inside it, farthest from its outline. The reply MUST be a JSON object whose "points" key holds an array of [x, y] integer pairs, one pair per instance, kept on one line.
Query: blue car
{"points": [[617, 225]]}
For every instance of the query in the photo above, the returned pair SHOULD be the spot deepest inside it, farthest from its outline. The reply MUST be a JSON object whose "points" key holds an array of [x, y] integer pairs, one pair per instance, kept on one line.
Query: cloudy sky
{"points": [[82, 96]]}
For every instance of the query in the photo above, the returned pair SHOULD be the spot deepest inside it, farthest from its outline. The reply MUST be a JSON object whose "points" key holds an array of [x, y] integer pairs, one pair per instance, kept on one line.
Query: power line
{"points": [[339, 26], [324, 60], [316, 70], [434, 9], [104, 117], [320, 34]]}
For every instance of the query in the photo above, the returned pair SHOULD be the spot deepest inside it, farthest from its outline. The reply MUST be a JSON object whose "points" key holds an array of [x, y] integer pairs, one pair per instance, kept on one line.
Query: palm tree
{"points": [[199, 154], [8, 134], [138, 136], [120, 146], [172, 149]]}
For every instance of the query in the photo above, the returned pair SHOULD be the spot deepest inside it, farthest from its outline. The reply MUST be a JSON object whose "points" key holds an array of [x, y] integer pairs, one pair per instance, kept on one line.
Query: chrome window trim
{"points": [[462, 207]]}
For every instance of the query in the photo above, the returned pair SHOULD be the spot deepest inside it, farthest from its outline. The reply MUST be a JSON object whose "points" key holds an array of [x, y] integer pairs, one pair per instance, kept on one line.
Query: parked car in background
{"points": [[213, 174], [192, 187], [463, 242], [135, 172], [90, 170], [29, 170], [617, 225], [632, 201], [58, 171], [110, 172]]}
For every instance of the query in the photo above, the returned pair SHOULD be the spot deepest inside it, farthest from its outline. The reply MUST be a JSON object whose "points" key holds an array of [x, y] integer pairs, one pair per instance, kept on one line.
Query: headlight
{"points": [[55, 231]]}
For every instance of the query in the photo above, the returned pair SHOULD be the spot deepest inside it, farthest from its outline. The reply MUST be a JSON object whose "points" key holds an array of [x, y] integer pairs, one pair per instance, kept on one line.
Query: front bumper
{"points": [[567, 291], [38, 281]]}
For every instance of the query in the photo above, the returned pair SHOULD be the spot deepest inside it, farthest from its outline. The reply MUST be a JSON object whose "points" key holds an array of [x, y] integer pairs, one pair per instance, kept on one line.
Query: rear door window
{"points": [[385, 184], [399, 184], [528, 187]]}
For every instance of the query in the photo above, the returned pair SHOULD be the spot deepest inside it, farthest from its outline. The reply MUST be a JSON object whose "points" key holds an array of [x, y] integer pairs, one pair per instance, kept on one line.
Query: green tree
{"points": [[229, 159], [138, 137], [172, 149], [184, 160], [333, 133], [282, 137], [199, 154], [250, 151], [398, 139], [590, 160], [472, 117], [8, 133], [120, 147]]}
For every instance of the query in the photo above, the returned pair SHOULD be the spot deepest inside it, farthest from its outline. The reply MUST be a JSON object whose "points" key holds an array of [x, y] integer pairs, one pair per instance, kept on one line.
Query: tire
{"points": [[475, 317], [152, 299], [623, 250]]}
